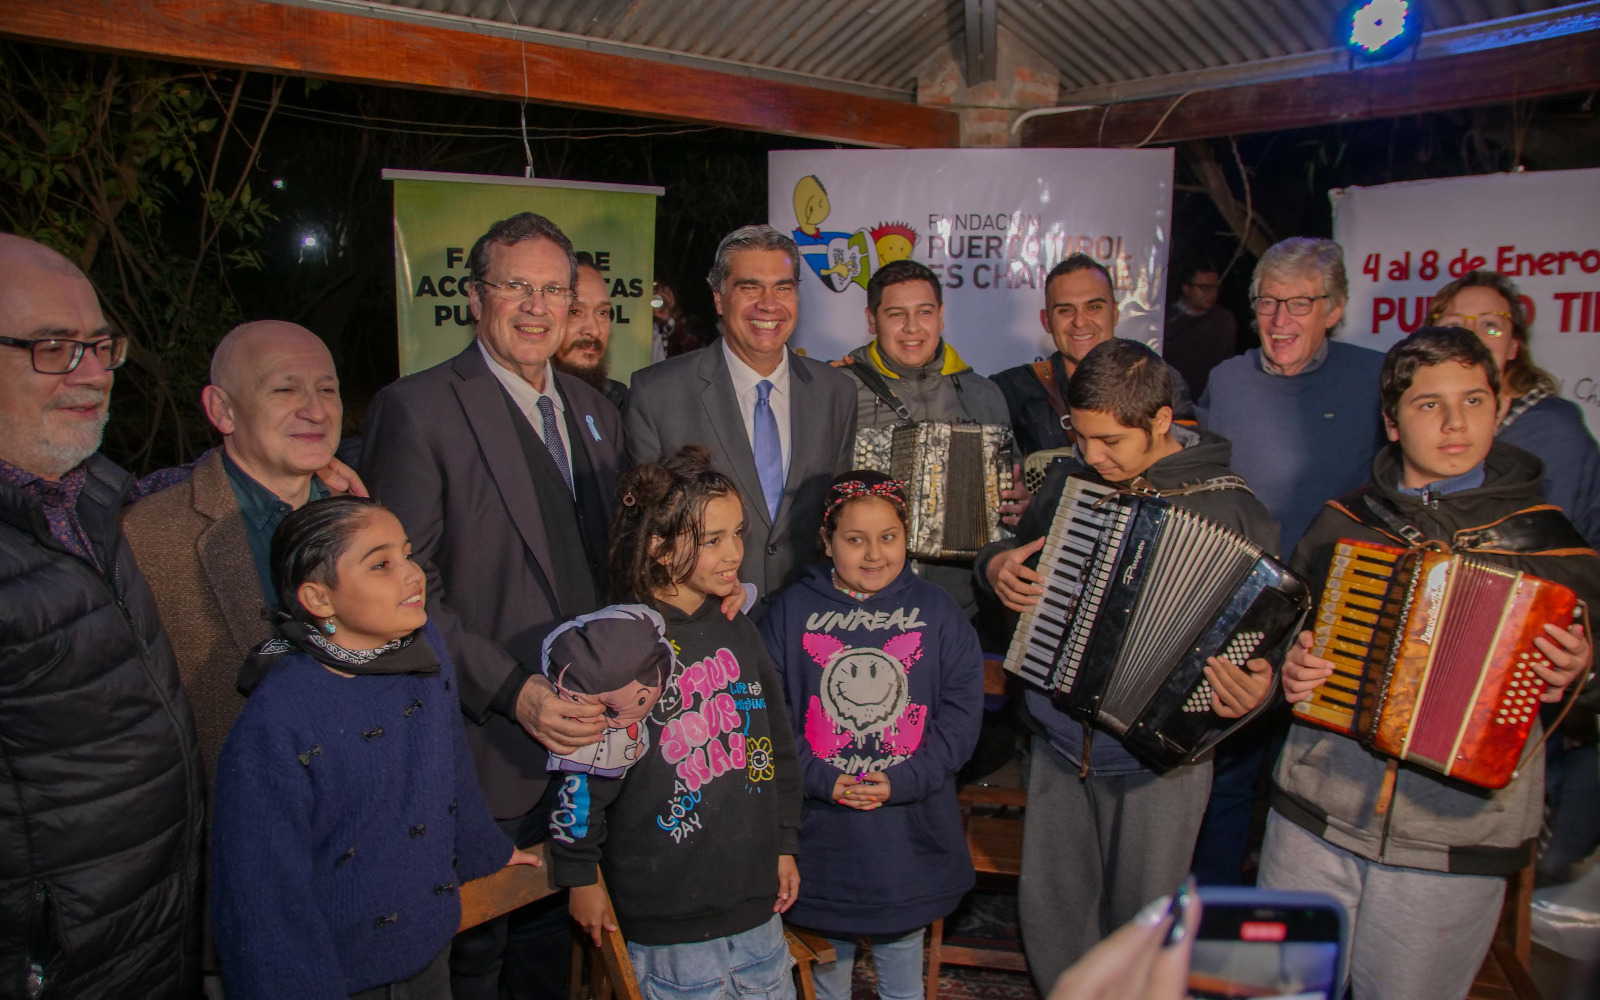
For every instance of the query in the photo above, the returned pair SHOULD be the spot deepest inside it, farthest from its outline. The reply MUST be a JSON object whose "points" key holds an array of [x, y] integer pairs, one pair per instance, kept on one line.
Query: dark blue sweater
{"points": [[1553, 429], [1298, 440], [892, 684], [347, 815]]}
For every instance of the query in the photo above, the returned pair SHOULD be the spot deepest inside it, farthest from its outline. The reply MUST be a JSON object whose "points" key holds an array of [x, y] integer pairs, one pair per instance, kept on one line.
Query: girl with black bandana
{"points": [[347, 811]]}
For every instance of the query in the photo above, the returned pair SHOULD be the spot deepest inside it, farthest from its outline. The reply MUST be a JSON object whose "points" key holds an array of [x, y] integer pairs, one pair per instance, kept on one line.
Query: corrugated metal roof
{"points": [[1099, 46]]}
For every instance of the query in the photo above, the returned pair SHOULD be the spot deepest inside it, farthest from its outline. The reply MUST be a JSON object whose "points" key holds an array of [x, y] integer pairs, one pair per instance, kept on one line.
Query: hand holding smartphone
{"points": [[1263, 943]]}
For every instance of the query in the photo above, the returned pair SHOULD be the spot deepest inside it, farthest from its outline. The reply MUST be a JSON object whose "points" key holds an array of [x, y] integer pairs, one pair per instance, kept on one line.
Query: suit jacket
{"points": [[191, 544], [689, 399], [442, 452]]}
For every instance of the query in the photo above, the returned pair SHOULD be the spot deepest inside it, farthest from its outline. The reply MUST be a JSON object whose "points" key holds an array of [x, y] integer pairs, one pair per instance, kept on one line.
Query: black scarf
{"points": [[408, 654]]}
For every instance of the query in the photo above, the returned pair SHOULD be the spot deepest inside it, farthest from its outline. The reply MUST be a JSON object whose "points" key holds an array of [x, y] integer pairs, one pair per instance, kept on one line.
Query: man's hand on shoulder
{"points": [[562, 726]]}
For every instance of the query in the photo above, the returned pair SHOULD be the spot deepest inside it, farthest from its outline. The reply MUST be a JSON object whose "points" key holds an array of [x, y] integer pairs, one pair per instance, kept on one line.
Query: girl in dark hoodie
{"points": [[883, 678]]}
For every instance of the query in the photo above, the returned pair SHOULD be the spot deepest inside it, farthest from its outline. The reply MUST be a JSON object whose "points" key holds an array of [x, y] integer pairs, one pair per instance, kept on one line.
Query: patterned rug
{"points": [[986, 920]]}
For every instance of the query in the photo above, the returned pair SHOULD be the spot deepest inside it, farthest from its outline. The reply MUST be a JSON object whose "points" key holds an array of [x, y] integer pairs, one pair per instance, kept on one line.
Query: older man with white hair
{"points": [[101, 828], [1302, 412]]}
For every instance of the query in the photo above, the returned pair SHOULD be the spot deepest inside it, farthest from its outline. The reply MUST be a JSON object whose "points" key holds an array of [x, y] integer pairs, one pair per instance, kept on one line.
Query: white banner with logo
{"points": [[1403, 241], [990, 222]]}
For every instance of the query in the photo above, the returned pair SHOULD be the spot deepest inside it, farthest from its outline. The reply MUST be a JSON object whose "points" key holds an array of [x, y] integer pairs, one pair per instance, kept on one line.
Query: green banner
{"points": [[437, 218]]}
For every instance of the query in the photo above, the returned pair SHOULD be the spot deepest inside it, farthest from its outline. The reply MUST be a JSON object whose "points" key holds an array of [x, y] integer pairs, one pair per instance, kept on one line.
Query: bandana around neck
{"points": [[409, 654]]}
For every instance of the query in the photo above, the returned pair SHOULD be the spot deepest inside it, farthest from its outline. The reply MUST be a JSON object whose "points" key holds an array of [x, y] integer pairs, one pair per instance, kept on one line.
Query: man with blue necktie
{"points": [[779, 424]]}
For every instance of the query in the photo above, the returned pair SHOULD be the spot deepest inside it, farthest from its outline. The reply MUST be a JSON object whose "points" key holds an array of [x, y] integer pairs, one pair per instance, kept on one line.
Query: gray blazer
{"points": [[442, 453], [689, 400]]}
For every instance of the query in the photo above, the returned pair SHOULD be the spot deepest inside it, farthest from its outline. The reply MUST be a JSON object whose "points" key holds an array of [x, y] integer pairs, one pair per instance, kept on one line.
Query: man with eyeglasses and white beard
{"points": [[101, 827], [1303, 414]]}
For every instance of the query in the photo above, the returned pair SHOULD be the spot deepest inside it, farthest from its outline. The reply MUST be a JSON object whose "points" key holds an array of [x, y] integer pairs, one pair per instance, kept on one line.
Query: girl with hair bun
{"points": [[697, 838], [347, 811], [883, 677]]}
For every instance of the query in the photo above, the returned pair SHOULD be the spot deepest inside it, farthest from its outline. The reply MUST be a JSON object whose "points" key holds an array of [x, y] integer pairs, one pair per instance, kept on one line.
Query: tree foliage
{"points": [[141, 174]]}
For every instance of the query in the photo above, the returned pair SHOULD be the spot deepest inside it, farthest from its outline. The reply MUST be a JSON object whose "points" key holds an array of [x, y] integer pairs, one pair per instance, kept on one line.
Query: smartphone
{"points": [[1265, 943]]}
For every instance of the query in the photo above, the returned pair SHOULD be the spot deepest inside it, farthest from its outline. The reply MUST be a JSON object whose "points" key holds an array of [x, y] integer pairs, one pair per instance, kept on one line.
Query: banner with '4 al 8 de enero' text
{"points": [[1402, 242], [438, 216]]}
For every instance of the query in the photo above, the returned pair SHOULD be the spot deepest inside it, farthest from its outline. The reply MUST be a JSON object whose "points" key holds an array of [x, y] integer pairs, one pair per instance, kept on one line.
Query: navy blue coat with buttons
{"points": [[347, 815]]}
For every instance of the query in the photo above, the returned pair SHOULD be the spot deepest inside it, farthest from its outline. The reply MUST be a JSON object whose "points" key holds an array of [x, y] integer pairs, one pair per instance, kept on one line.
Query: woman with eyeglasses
{"points": [[1534, 416]]}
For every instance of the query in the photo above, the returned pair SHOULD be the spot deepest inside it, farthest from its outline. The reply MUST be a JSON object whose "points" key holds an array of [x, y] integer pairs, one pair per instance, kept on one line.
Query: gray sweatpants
{"points": [[1414, 934], [1097, 849]]}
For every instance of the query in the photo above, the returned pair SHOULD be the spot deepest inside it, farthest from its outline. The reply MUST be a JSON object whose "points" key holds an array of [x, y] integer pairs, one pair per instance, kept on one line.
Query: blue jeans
{"points": [[753, 965], [898, 961]]}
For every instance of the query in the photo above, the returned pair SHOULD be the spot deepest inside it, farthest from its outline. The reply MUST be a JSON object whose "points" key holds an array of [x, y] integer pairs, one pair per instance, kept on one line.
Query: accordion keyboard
{"points": [[1358, 614], [1050, 632]]}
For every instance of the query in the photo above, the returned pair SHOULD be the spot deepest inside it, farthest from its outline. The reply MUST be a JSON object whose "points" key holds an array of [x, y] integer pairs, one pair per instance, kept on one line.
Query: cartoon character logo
{"points": [[758, 759], [618, 658], [842, 258], [864, 689], [864, 696]]}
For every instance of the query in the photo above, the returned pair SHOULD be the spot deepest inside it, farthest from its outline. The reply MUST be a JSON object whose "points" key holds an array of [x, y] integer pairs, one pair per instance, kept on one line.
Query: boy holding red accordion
{"points": [[1419, 859]]}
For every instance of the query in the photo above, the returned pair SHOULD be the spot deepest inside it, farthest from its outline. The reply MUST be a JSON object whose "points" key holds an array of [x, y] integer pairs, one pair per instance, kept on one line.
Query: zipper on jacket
{"points": [[43, 959]]}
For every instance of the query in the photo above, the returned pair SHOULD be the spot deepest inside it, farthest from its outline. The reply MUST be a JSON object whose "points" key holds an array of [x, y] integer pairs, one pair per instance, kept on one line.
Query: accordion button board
{"points": [[1433, 657], [1138, 594]]}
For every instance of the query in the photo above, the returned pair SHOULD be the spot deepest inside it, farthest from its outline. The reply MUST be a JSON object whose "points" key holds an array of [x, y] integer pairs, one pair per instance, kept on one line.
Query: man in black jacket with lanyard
{"points": [[1080, 311], [100, 834]]}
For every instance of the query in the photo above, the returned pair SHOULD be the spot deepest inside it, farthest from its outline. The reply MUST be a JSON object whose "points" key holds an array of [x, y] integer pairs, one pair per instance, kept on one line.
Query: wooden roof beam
{"points": [[278, 38], [1494, 76]]}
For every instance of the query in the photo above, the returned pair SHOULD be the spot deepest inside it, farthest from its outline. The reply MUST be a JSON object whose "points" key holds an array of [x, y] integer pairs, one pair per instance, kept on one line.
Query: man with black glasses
{"points": [[503, 471], [98, 879], [1302, 413]]}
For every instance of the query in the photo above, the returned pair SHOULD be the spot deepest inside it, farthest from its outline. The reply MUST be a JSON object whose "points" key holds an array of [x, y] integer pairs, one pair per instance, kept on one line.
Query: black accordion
{"points": [[1139, 593]]}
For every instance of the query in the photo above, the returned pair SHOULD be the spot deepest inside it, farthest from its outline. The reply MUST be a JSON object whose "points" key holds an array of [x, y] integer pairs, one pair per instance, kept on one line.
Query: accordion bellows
{"points": [[953, 474], [1139, 593], [1433, 657]]}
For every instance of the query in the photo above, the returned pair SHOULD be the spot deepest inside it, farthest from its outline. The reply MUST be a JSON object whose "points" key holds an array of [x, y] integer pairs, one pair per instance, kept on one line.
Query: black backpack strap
{"points": [[874, 380], [1540, 530]]}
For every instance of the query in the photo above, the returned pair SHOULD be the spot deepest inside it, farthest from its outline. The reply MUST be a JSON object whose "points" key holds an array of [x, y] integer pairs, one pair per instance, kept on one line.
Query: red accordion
{"points": [[1434, 657]]}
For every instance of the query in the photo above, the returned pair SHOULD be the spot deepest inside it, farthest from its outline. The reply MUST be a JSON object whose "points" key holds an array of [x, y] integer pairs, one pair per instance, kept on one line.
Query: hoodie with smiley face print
{"points": [[890, 684]]}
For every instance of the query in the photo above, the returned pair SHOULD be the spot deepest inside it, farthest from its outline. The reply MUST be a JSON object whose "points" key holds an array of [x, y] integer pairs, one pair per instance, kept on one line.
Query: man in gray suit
{"points": [[503, 472], [779, 424]]}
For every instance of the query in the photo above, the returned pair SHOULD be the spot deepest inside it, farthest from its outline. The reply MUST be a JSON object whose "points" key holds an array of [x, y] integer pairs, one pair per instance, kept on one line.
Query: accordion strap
{"points": [[873, 380], [1045, 373], [1538, 530], [1206, 486]]}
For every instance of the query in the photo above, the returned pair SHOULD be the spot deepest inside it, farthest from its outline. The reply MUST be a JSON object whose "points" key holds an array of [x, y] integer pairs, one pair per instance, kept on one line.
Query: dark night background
{"points": [[317, 173]]}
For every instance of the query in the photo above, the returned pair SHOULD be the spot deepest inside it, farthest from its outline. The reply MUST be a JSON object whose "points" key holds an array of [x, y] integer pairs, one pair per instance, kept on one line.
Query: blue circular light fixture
{"points": [[1375, 30]]}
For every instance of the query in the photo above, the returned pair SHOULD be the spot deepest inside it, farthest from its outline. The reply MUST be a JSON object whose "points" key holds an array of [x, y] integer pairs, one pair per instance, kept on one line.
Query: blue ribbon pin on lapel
{"points": [[588, 418]]}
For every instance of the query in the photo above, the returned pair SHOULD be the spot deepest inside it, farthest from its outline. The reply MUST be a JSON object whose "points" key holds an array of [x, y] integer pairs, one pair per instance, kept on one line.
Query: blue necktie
{"points": [[552, 439], [768, 450]]}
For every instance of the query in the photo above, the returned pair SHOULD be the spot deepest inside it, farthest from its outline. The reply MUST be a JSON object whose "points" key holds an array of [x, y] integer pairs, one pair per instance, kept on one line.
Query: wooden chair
{"points": [[807, 949], [483, 899], [1504, 974], [996, 846]]}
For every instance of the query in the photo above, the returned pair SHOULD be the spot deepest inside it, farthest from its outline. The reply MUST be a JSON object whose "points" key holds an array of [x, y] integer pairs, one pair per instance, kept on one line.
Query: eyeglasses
{"points": [[517, 290], [58, 356], [1300, 305], [1490, 324]]}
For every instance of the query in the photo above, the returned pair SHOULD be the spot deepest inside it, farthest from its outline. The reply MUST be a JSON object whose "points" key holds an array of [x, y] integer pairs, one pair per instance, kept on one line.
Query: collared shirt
{"points": [[745, 379], [1317, 361], [1469, 480], [263, 510], [527, 399], [60, 502]]}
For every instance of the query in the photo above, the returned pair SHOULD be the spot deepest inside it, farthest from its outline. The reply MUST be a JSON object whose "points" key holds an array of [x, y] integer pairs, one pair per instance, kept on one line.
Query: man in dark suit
{"points": [[779, 424], [503, 472]]}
